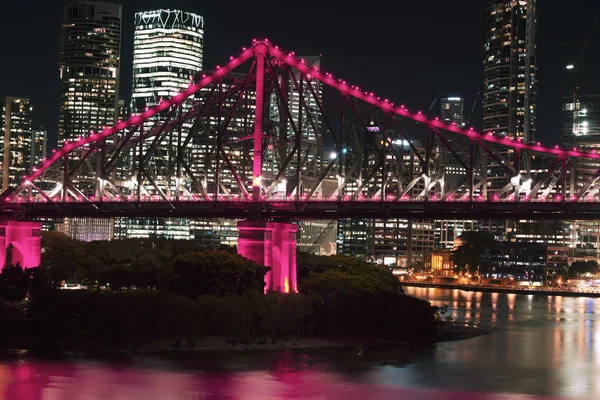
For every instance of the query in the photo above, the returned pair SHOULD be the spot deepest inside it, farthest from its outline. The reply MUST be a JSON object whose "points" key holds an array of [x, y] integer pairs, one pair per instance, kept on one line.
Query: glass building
{"points": [[581, 117], [452, 110], [167, 54], [582, 129], [16, 140], [39, 143], [90, 57], [90, 48], [509, 93]]}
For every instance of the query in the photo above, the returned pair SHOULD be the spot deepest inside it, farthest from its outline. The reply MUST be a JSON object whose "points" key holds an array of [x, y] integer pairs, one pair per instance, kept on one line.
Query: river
{"points": [[547, 348]]}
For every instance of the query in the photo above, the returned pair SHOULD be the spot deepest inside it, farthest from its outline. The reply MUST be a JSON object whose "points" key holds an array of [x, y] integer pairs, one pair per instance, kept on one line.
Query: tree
{"points": [[61, 257], [15, 282], [471, 253], [580, 268], [376, 276], [219, 273], [353, 297]]}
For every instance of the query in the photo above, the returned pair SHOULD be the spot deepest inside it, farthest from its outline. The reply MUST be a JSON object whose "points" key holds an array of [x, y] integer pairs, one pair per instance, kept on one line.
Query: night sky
{"points": [[407, 52]]}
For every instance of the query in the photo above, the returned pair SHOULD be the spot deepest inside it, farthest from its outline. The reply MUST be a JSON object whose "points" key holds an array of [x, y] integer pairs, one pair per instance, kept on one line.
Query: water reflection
{"points": [[547, 346], [550, 345], [62, 381]]}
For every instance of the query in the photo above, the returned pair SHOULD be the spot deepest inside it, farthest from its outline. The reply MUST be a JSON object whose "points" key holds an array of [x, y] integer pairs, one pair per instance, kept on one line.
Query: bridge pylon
{"points": [[272, 244]]}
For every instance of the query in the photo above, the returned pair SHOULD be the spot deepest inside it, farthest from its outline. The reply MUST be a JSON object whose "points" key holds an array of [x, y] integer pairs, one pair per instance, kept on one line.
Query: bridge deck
{"points": [[287, 210]]}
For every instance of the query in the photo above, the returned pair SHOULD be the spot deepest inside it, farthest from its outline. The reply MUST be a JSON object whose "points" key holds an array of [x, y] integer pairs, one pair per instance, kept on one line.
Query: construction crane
{"points": [[472, 111]]}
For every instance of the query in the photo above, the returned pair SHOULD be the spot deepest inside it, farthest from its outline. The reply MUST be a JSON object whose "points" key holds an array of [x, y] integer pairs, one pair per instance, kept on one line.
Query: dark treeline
{"points": [[137, 292]]}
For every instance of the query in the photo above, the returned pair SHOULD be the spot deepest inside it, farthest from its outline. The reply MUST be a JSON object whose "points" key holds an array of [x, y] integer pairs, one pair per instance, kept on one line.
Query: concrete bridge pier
{"points": [[272, 244], [20, 242]]}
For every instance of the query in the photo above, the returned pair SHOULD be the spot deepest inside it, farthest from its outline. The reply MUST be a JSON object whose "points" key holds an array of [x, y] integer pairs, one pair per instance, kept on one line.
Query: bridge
{"points": [[268, 138]]}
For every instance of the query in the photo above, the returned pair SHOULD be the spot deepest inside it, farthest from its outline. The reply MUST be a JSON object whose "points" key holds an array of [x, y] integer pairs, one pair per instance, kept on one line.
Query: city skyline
{"points": [[414, 83]]}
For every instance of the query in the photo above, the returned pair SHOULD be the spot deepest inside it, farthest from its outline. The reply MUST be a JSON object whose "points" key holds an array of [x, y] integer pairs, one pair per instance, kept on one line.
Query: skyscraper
{"points": [[582, 118], [90, 57], [582, 130], [167, 54], [452, 110], [509, 93], [16, 140], [39, 142], [90, 48]]}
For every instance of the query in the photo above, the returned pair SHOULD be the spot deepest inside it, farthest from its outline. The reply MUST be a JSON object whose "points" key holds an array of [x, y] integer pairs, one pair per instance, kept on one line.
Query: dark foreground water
{"points": [[549, 347]]}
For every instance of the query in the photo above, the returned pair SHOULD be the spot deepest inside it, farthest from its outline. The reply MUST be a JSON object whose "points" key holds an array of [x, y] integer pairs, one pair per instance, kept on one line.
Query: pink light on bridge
{"points": [[271, 244]]}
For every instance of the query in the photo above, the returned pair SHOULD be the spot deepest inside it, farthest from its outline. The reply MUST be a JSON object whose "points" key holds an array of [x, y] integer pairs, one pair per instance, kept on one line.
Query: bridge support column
{"points": [[272, 244], [24, 241]]}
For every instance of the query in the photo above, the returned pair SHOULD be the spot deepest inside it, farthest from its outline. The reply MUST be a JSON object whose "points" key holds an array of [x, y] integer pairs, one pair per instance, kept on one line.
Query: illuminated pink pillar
{"points": [[26, 242], [260, 52], [272, 244]]}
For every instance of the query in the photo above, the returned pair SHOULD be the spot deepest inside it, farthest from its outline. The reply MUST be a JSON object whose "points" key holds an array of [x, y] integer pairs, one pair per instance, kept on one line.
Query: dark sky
{"points": [[407, 51]]}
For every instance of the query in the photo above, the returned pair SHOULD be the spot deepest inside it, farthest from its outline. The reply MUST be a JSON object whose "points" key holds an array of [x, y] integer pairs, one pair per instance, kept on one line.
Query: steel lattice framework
{"points": [[269, 135]]}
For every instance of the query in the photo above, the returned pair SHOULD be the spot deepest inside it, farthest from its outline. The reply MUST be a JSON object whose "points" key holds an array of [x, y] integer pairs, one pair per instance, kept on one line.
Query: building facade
{"points": [[167, 55], [89, 71], [509, 93], [17, 140], [582, 130], [90, 58], [39, 143], [393, 241], [452, 110]]}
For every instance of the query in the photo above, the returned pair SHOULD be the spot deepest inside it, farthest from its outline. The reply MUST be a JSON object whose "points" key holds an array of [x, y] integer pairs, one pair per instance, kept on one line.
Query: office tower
{"points": [[452, 110], [39, 142], [509, 93], [90, 48], [582, 130], [582, 118], [16, 140], [84, 229], [167, 54], [391, 241]]}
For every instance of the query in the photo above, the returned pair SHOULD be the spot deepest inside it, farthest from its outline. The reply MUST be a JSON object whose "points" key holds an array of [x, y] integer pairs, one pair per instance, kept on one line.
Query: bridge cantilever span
{"points": [[248, 140]]}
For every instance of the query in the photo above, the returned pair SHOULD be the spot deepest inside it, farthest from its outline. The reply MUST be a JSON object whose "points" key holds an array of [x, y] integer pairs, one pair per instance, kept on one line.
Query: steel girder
{"points": [[283, 131]]}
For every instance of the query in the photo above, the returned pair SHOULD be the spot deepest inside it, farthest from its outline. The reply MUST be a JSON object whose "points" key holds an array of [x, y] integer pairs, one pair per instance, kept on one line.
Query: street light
{"points": [[570, 66]]}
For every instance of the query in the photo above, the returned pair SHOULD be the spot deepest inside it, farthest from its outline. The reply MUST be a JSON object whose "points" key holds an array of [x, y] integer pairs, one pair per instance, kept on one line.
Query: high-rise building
{"points": [[85, 229], [509, 93], [582, 130], [90, 57], [39, 142], [582, 117], [90, 48], [452, 110], [16, 140], [167, 55], [390, 241], [509, 86]]}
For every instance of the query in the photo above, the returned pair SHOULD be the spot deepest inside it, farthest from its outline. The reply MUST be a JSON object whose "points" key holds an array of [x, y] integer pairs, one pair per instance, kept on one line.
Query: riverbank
{"points": [[448, 331], [503, 289]]}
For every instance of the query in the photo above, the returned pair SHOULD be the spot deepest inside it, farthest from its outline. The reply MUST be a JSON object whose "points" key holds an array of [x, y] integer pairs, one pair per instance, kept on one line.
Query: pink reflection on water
{"points": [[61, 381]]}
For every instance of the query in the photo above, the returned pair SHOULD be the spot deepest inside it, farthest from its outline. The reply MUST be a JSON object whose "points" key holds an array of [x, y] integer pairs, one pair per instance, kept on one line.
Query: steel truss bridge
{"points": [[270, 136]]}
